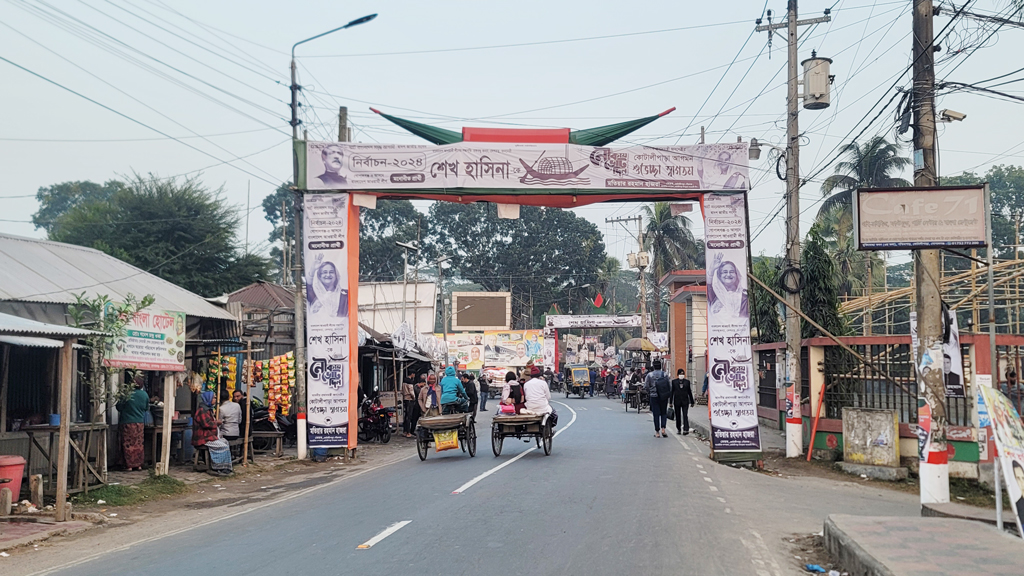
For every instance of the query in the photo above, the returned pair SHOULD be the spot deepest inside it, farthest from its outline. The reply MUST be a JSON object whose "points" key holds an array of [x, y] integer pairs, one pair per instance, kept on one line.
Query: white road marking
{"points": [[722, 500], [762, 558], [607, 408], [713, 488], [384, 534], [470, 484], [702, 471], [581, 407], [701, 466], [706, 479], [728, 510], [695, 458], [290, 496]]}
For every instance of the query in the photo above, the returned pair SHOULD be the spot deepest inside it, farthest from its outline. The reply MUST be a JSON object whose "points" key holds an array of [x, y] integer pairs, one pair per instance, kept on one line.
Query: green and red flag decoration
{"points": [[599, 136], [599, 301]]}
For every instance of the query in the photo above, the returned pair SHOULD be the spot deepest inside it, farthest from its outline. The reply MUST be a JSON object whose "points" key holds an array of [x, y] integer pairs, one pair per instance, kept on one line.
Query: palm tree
{"points": [[872, 165], [671, 244], [607, 272], [851, 266]]}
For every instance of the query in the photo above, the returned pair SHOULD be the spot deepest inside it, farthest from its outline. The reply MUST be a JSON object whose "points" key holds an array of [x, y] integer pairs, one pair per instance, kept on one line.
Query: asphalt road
{"points": [[611, 499]]}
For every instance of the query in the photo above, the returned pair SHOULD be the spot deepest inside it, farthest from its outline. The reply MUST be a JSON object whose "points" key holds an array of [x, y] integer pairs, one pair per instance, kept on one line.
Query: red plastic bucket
{"points": [[12, 467]]}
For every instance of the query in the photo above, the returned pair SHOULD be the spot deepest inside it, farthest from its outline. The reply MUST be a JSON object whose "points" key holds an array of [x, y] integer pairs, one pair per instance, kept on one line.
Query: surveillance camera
{"points": [[951, 115]]}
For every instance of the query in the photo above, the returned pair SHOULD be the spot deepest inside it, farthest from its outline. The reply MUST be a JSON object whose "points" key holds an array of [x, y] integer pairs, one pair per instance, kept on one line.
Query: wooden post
{"points": [[35, 490], [4, 374], [6, 501], [220, 375], [64, 436], [246, 410], [165, 446]]}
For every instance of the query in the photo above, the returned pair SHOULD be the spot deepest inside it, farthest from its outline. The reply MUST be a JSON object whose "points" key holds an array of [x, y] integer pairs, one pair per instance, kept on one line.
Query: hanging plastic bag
{"points": [[446, 440]]}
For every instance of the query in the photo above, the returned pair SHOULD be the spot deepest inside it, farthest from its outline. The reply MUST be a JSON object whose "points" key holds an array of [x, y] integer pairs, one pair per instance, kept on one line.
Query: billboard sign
{"points": [[481, 310], [920, 218], [153, 340], [592, 321], [349, 166]]}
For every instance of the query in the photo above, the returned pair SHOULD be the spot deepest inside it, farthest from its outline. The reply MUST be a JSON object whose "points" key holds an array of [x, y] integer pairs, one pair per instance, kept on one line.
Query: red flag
{"points": [[598, 301]]}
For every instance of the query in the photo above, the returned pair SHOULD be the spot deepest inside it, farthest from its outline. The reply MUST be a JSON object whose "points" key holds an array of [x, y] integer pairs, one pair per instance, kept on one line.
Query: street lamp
{"points": [[299, 298], [570, 294]]}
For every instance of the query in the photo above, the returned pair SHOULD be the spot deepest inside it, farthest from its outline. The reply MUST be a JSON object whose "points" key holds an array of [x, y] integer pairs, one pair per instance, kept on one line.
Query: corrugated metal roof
{"points": [[16, 325], [28, 342], [33, 270], [264, 295]]}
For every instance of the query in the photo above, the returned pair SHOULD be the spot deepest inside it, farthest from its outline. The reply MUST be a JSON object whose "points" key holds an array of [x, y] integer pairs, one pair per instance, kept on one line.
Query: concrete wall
{"points": [[697, 332], [678, 343]]}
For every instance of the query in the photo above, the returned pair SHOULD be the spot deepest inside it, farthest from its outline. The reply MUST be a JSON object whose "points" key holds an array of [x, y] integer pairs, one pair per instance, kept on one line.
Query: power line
{"points": [[101, 140]]}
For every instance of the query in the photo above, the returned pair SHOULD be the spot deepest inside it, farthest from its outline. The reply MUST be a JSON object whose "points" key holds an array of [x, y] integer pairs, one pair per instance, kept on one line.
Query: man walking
{"points": [[658, 390], [682, 400], [485, 391]]}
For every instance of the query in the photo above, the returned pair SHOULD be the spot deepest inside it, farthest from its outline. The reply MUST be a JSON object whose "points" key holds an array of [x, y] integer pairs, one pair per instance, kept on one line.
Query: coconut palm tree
{"points": [[873, 165], [607, 273], [851, 266], [671, 244]]}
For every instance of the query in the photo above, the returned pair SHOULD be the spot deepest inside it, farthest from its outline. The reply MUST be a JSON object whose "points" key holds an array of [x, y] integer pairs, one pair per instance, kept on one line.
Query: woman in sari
{"points": [[324, 290], [131, 413], [204, 433]]}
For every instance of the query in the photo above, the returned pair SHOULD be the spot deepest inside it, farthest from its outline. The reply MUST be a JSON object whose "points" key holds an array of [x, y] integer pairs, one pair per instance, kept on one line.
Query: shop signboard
{"points": [[153, 340], [915, 218]]}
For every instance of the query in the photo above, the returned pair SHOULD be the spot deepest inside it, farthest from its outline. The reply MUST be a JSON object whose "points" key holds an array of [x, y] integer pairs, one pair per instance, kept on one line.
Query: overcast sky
{"points": [[214, 75]]}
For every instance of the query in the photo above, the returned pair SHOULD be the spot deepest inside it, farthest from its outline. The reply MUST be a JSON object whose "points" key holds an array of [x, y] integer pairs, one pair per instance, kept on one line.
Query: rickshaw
{"points": [[521, 426], [579, 381], [463, 423]]}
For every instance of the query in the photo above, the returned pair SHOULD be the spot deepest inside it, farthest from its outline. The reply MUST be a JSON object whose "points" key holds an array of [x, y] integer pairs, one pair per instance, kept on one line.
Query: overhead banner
{"points": [[909, 218], [592, 321], [346, 166], [731, 393], [1009, 435], [153, 340], [331, 339]]}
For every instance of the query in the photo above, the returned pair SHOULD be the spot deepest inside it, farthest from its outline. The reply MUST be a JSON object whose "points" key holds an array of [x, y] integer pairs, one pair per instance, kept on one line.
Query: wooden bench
{"points": [[275, 434]]}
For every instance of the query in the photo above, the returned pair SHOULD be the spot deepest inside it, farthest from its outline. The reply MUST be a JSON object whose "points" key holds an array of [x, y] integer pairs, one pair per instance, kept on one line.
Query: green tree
{"points": [[873, 165], [537, 256], [57, 200], [671, 245], [606, 275], [851, 265], [1006, 185], [819, 297], [765, 308], [180, 231], [110, 321], [283, 223], [380, 260]]}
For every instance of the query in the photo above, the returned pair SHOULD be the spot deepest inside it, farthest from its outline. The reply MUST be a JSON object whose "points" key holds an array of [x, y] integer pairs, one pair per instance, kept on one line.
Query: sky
{"points": [[201, 88]]}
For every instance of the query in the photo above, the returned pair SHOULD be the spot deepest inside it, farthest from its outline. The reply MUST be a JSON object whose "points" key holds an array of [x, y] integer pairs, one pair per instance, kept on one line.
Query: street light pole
{"points": [[299, 297]]}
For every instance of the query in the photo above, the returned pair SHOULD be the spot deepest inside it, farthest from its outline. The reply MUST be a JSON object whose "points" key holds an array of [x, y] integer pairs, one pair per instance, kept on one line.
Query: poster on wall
{"points": [[731, 392], [1009, 436], [330, 336], [349, 166], [153, 340], [465, 350], [513, 347], [952, 361]]}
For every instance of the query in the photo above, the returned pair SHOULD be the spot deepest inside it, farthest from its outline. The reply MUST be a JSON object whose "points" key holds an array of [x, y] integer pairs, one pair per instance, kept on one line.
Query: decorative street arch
{"points": [[557, 168]]}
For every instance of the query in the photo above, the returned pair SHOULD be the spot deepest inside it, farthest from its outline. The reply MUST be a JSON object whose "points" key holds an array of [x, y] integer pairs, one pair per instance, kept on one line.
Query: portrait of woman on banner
{"points": [[727, 293], [325, 292]]}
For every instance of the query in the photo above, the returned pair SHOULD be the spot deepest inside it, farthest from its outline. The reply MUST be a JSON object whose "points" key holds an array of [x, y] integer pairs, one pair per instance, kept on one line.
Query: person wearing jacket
{"points": [[682, 400], [453, 394], [470, 385], [429, 398], [659, 400]]}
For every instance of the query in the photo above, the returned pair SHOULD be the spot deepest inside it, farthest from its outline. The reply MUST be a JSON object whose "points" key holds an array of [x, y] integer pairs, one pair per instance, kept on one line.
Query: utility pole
{"points": [[934, 469], [344, 134], [794, 419], [640, 260]]}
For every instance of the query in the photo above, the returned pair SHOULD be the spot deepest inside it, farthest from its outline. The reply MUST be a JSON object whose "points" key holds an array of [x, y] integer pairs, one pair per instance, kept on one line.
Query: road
{"points": [[611, 499]]}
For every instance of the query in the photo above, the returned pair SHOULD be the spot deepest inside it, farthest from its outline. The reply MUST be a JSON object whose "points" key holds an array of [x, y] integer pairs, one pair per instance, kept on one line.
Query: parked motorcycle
{"points": [[375, 420]]}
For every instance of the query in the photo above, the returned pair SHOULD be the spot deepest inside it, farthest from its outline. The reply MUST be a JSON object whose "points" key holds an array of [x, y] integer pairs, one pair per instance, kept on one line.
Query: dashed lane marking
{"points": [[713, 488], [706, 479], [384, 534]]}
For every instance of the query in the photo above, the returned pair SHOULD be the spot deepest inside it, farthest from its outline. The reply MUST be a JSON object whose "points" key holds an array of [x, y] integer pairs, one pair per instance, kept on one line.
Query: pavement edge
{"points": [[848, 553]]}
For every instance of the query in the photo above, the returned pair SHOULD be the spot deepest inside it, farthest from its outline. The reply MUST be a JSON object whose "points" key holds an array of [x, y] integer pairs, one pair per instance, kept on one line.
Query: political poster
{"points": [[952, 361], [331, 339], [1009, 436], [350, 166], [592, 321], [153, 340], [513, 347], [731, 391], [466, 350]]}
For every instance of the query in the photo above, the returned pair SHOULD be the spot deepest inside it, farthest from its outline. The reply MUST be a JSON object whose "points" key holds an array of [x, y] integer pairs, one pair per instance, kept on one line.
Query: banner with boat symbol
{"points": [[346, 166]]}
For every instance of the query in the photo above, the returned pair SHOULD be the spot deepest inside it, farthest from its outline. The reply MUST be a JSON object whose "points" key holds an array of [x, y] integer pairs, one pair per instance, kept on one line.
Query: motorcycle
{"points": [[261, 422], [375, 420]]}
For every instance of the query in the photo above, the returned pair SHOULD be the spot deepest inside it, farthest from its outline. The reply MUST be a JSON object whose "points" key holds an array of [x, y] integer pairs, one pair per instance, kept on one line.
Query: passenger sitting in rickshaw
{"points": [[512, 393], [537, 394], [453, 395]]}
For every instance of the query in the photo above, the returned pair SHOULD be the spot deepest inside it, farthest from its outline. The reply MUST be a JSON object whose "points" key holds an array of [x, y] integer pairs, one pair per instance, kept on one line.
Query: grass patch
{"points": [[152, 488]]}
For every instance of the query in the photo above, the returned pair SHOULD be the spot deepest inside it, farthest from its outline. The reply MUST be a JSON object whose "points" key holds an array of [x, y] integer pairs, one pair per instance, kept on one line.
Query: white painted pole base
{"points": [[300, 428], [794, 440], [934, 483]]}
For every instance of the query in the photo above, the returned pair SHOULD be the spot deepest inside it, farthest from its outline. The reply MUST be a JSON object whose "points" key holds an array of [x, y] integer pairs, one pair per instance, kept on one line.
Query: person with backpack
{"points": [[659, 388]]}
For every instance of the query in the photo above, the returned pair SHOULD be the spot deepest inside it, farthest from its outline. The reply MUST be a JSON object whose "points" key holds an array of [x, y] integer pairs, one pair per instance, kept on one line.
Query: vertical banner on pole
{"points": [[329, 331], [1009, 435], [731, 393]]}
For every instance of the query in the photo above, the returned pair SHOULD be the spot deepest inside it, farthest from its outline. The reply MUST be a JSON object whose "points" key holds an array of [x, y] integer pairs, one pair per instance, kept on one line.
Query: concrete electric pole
{"points": [[934, 469], [640, 260], [794, 420]]}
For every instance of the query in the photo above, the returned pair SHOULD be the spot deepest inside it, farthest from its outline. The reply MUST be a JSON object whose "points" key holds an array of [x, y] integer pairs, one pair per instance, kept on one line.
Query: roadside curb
{"points": [[62, 529], [849, 554]]}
